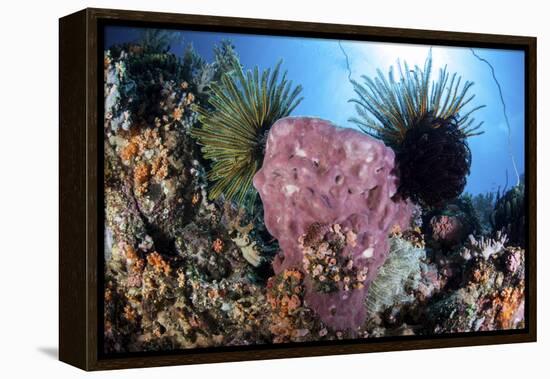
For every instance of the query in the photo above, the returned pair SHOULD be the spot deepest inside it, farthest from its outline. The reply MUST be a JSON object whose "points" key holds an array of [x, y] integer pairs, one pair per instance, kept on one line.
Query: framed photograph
{"points": [[237, 189]]}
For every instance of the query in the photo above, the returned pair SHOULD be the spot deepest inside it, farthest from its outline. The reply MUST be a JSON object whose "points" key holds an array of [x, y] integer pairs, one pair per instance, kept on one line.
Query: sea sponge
{"points": [[314, 172], [447, 230]]}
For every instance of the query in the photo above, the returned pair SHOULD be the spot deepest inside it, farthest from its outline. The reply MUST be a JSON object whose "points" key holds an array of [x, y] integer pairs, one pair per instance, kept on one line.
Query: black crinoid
{"points": [[425, 124], [434, 161]]}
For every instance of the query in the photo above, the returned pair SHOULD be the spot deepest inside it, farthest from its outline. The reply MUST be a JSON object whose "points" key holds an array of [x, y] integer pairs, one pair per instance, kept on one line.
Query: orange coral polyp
{"points": [[159, 265]]}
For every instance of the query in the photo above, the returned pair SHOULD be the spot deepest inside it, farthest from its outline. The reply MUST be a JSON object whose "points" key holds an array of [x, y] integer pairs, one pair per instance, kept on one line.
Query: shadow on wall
{"points": [[50, 351]]}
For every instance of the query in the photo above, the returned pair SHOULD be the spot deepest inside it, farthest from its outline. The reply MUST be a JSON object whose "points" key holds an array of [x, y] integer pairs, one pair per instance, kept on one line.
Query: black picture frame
{"points": [[81, 197]]}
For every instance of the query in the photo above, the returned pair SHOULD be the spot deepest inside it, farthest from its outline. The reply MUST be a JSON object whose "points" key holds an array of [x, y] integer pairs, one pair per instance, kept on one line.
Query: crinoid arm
{"points": [[241, 110], [426, 123], [387, 107]]}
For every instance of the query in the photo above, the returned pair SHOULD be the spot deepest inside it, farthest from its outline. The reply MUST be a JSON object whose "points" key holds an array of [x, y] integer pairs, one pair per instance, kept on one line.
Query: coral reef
{"points": [[327, 261], [243, 109], [406, 283], [197, 294], [173, 274], [490, 295], [290, 320], [345, 242], [414, 294], [314, 172], [424, 123]]}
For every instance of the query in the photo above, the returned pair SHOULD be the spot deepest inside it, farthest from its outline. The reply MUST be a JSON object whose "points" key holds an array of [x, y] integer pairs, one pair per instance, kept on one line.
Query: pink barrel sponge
{"points": [[314, 172]]}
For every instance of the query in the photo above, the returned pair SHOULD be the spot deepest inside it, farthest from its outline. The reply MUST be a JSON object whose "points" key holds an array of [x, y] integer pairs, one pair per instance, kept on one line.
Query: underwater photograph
{"points": [[266, 190]]}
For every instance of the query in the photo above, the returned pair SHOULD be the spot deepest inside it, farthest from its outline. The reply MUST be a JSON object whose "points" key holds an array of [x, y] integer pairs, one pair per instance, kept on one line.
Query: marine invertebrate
{"points": [[141, 178], [185, 300], [183, 271], [243, 108], [236, 220], [123, 223], [397, 277], [248, 249], [145, 82], [513, 259], [484, 247], [244, 231], [414, 236], [509, 214], [447, 230], [490, 296], [424, 122], [314, 172], [328, 265], [135, 86], [434, 161], [448, 226], [509, 304], [217, 245], [290, 319], [285, 295], [152, 153], [158, 263]]}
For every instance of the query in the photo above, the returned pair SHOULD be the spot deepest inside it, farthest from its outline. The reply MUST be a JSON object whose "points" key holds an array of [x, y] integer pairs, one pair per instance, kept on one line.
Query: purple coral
{"points": [[314, 172]]}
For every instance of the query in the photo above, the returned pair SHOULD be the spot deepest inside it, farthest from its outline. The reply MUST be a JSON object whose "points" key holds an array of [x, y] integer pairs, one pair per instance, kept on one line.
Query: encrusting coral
{"points": [[290, 320], [329, 266], [447, 230], [425, 123]]}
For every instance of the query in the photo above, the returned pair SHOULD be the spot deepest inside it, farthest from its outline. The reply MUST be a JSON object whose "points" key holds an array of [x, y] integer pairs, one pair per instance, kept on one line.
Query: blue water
{"points": [[319, 65]]}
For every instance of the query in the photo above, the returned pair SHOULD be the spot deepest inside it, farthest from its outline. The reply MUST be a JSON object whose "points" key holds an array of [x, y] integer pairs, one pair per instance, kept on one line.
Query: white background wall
{"points": [[29, 177]]}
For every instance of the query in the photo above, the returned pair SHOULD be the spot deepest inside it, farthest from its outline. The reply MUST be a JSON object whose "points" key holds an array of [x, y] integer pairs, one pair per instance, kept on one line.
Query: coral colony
{"points": [[230, 222]]}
